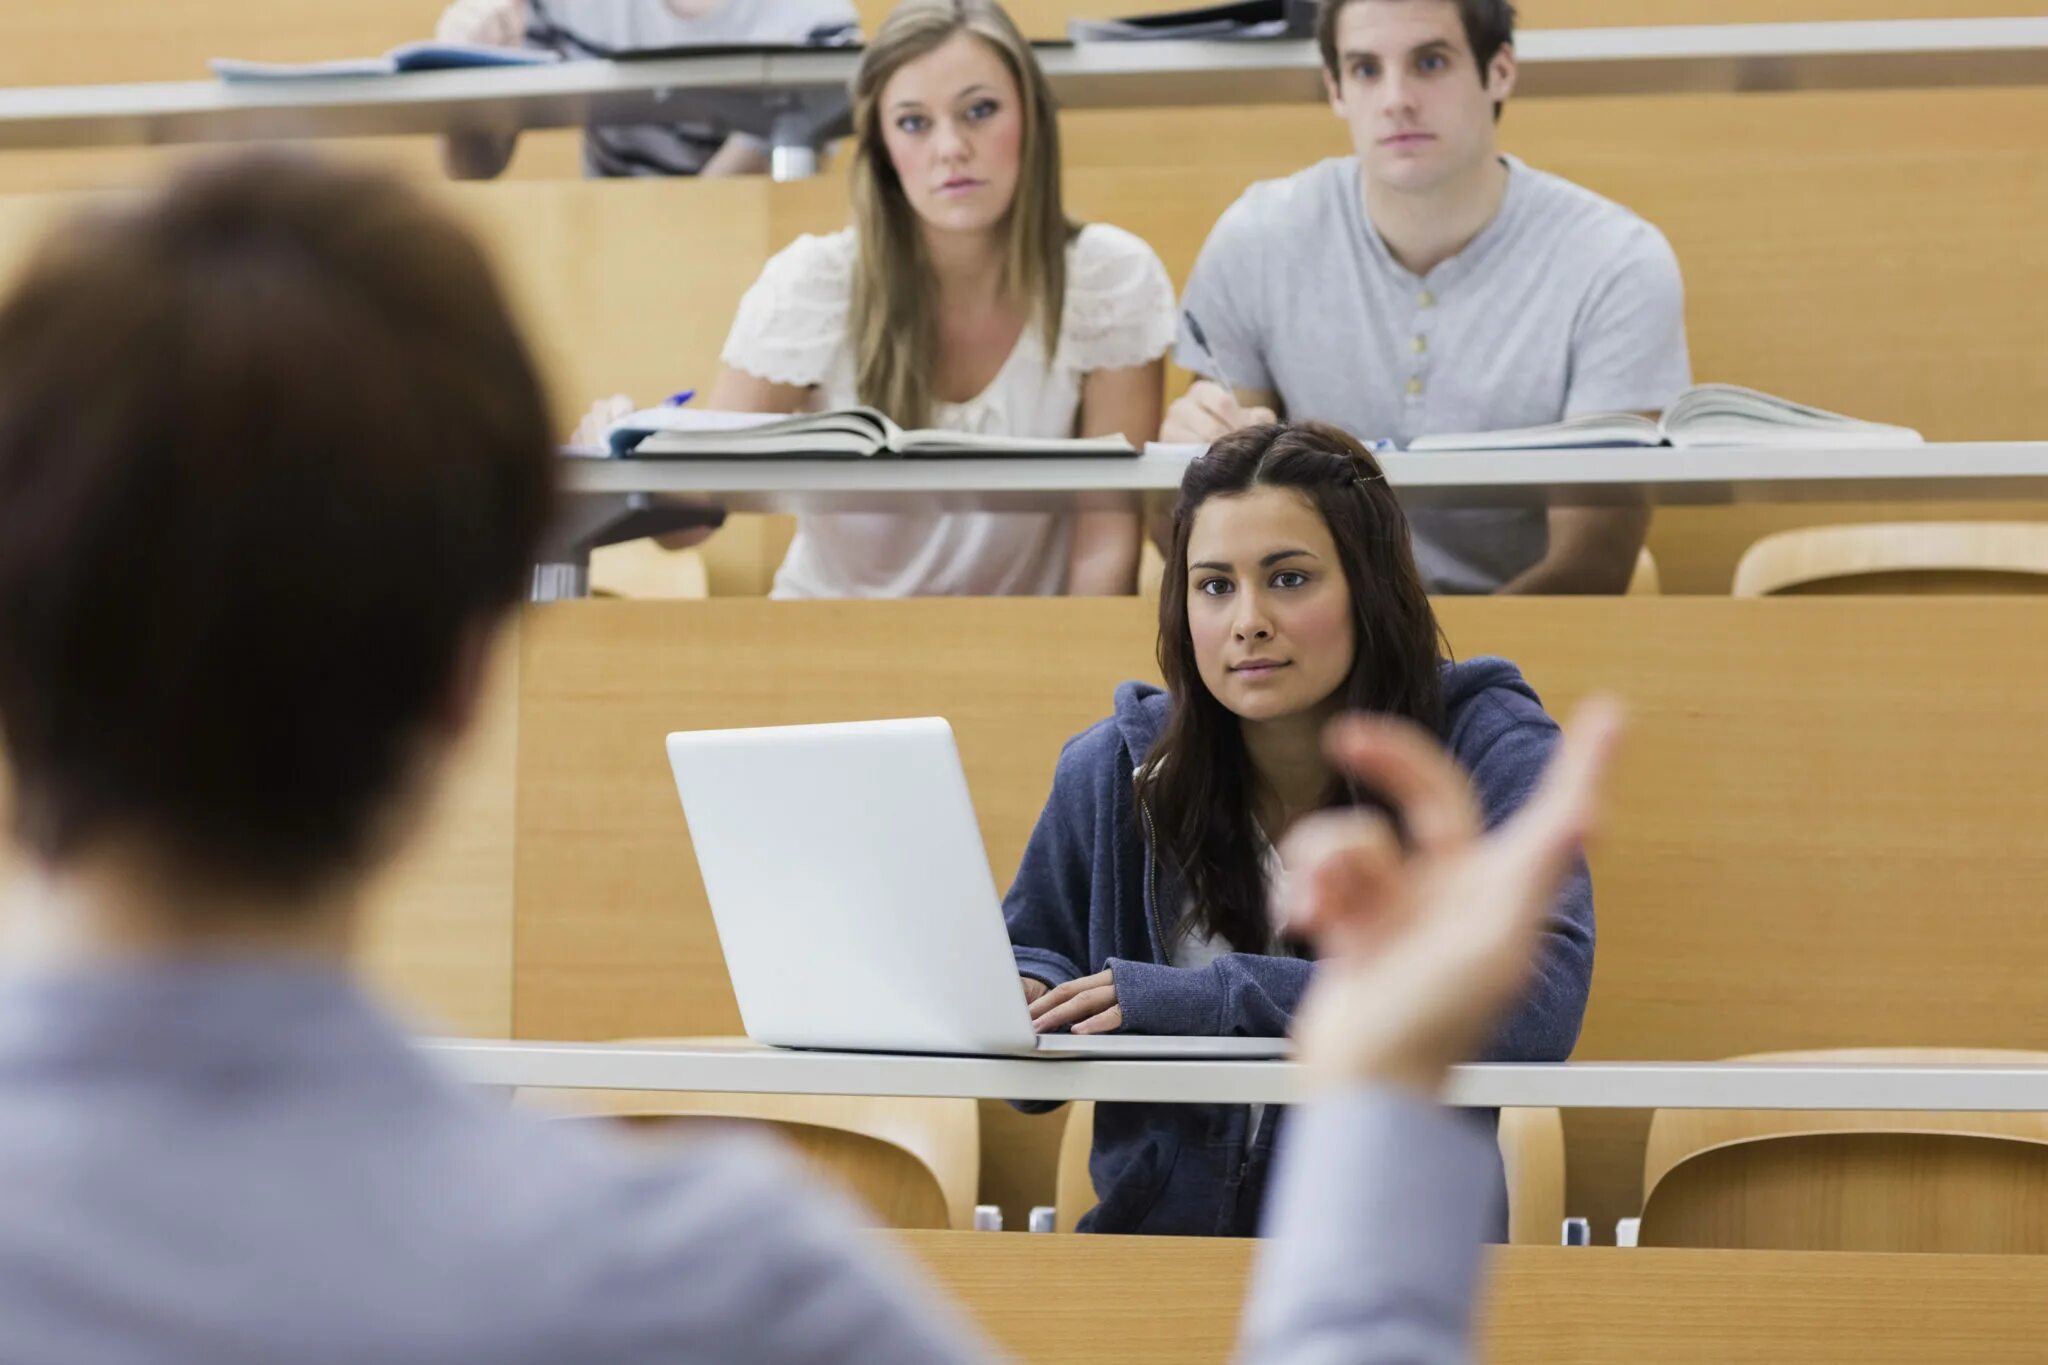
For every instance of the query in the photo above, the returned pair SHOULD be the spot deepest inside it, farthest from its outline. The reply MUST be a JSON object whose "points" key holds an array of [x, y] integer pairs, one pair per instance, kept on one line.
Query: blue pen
{"points": [[676, 400]]}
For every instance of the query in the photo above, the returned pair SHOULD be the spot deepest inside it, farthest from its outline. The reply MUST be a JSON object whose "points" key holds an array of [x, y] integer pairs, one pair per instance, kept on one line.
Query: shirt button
{"points": [[1415, 387], [1428, 300], [1419, 345]]}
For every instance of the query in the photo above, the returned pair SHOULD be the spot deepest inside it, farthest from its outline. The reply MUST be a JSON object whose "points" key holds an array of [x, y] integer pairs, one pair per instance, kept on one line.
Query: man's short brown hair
{"points": [[1489, 27], [271, 450]]}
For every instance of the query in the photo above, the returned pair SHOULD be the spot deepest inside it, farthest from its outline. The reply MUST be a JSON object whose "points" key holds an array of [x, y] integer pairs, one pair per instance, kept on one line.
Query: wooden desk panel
{"points": [[1050, 1300], [614, 936]]}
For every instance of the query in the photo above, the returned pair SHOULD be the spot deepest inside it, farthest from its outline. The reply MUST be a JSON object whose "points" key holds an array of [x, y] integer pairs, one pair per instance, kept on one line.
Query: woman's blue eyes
{"points": [[978, 112], [1286, 578]]}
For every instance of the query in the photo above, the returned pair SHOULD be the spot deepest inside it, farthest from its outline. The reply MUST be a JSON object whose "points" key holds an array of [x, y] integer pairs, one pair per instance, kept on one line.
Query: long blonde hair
{"points": [[895, 327]]}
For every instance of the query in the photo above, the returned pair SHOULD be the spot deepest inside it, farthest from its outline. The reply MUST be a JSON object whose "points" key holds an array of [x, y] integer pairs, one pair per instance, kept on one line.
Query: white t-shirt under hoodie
{"points": [[792, 328]]}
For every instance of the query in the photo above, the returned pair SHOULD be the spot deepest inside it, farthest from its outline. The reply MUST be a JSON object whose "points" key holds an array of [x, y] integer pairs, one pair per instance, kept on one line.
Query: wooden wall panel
{"points": [[437, 935], [96, 42], [624, 286], [1824, 830], [614, 936], [1053, 1300]]}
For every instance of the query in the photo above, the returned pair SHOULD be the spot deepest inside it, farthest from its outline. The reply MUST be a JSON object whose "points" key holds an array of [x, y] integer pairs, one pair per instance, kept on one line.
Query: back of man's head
{"points": [[273, 458]]}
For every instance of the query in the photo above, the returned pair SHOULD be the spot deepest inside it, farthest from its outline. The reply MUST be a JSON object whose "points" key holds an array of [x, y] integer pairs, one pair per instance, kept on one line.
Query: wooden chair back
{"points": [[1894, 558], [1800, 1180], [913, 1161]]}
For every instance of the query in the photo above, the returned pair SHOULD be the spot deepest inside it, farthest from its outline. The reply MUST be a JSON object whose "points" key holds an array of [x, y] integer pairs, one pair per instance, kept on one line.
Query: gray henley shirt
{"points": [[1565, 303]]}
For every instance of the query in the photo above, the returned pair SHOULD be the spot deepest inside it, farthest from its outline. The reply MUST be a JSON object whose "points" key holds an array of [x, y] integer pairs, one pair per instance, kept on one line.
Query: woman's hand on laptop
{"points": [[1033, 988], [1422, 947], [1087, 1004]]}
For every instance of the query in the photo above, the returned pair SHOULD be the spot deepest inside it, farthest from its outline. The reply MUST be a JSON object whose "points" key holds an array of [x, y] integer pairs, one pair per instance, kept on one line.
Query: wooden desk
{"points": [[601, 491], [1478, 478], [1055, 1300], [797, 96]]}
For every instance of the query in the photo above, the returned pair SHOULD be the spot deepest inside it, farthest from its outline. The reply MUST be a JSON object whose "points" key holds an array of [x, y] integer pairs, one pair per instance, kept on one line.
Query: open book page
{"points": [[1728, 415], [706, 434], [236, 69], [1249, 19], [1593, 429], [673, 432], [939, 442]]}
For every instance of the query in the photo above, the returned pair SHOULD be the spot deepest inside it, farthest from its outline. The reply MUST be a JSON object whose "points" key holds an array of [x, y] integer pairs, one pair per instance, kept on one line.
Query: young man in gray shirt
{"points": [[220, 718], [1429, 284]]}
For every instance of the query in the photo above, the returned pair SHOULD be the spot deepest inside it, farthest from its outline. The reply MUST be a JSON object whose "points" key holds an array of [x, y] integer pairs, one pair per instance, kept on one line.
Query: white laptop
{"points": [[853, 897]]}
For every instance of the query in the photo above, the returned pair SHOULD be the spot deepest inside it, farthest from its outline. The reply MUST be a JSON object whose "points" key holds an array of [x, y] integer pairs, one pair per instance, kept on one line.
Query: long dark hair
{"points": [[1196, 784]]}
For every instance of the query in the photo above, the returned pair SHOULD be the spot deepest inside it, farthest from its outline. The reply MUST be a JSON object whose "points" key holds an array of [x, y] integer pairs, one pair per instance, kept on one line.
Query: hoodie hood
{"points": [[1140, 711]]}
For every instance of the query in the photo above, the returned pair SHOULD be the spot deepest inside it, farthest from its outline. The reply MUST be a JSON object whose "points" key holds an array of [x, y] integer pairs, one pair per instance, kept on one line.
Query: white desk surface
{"points": [[715, 1064], [1730, 57], [1661, 476]]}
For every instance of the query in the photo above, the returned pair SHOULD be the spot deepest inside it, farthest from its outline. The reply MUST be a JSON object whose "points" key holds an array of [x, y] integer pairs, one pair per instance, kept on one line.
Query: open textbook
{"points": [[1248, 19], [1705, 416], [841, 433], [422, 56]]}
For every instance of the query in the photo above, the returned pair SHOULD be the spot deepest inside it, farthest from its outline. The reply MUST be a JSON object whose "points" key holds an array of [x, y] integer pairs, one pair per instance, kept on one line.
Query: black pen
{"points": [[1202, 343]]}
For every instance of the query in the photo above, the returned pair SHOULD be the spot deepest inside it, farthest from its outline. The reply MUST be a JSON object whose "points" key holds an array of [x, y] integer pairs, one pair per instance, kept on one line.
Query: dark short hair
{"points": [[1489, 27], [1196, 781], [271, 452]]}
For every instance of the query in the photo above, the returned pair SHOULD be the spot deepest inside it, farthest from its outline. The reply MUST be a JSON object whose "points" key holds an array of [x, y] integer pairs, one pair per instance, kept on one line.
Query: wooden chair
{"points": [[1531, 1149], [1073, 1188], [641, 568], [914, 1162], [1532, 1153], [1921, 558], [1797, 1180]]}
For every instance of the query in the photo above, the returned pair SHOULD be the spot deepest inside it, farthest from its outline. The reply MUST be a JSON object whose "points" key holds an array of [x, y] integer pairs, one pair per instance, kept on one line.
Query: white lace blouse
{"points": [[792, 329]]}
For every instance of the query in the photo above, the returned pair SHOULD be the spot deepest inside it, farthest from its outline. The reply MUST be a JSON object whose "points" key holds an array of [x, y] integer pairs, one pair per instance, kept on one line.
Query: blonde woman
{"points": [[962, 297]]}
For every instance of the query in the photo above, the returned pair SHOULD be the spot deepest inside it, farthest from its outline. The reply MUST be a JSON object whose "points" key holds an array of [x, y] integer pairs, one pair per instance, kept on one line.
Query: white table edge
{"points": [[739, 1066]]}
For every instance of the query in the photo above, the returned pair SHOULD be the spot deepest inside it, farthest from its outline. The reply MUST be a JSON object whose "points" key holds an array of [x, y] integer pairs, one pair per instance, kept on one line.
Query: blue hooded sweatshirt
{"points": [[1092, 894]]}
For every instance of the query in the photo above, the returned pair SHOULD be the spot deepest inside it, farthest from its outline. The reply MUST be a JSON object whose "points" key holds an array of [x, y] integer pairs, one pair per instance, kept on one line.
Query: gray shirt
{"points": [[244, 1163], [1566, 303]]}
